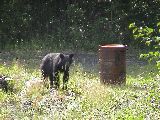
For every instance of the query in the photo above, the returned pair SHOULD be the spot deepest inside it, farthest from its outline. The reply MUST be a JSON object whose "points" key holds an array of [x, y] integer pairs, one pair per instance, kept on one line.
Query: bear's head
{"points": [[65, 61]]}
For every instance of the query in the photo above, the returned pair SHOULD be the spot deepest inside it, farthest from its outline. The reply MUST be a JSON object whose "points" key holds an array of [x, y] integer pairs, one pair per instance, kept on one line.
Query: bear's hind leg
{"points": [[44, 79]]}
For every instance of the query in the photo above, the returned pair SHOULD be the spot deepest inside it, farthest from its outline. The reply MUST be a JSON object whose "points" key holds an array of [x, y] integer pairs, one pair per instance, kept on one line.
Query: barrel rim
{"points": [[113, 46]]}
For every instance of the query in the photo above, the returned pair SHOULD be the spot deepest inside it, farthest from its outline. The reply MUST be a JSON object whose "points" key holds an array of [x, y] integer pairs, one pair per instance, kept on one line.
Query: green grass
{"points": [[85, 98]]}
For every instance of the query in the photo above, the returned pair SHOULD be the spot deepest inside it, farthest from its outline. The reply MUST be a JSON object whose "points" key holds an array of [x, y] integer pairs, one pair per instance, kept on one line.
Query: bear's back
{"points": [[49, 61]]}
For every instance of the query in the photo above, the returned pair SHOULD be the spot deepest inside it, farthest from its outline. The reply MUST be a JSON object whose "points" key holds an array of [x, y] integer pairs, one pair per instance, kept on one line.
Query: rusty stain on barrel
{"points": [[112, 63]]}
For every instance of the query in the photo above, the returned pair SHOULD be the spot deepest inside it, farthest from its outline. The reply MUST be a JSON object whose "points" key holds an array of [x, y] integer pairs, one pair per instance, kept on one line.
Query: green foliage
{"points": [[73, 24], [148, 37]]}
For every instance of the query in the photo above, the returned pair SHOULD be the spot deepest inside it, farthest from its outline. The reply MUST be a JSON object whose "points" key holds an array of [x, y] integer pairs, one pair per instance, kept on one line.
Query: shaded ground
{"points": [[89, 61]]}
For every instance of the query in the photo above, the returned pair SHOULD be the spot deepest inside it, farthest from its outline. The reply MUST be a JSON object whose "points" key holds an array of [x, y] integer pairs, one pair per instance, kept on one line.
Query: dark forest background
{"points": [[77, 24]]}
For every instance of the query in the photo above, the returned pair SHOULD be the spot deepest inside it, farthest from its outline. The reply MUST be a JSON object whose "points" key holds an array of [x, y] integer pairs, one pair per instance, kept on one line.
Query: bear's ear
{"points": [[61, 56], [71, 56]]}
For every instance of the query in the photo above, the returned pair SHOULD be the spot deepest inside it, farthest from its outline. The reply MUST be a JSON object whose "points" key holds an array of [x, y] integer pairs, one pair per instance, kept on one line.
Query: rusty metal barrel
{"points": [[112, 63]]}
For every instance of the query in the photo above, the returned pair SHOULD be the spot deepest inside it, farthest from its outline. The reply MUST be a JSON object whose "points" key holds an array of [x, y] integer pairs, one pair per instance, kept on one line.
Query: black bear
{"points": [[55, 63], [3, 83]]}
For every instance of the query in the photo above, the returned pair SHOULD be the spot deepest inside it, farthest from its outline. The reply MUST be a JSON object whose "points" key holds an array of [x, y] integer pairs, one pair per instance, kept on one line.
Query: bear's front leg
{"points": [[65, 79], [56, 80], [51, 78]]}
